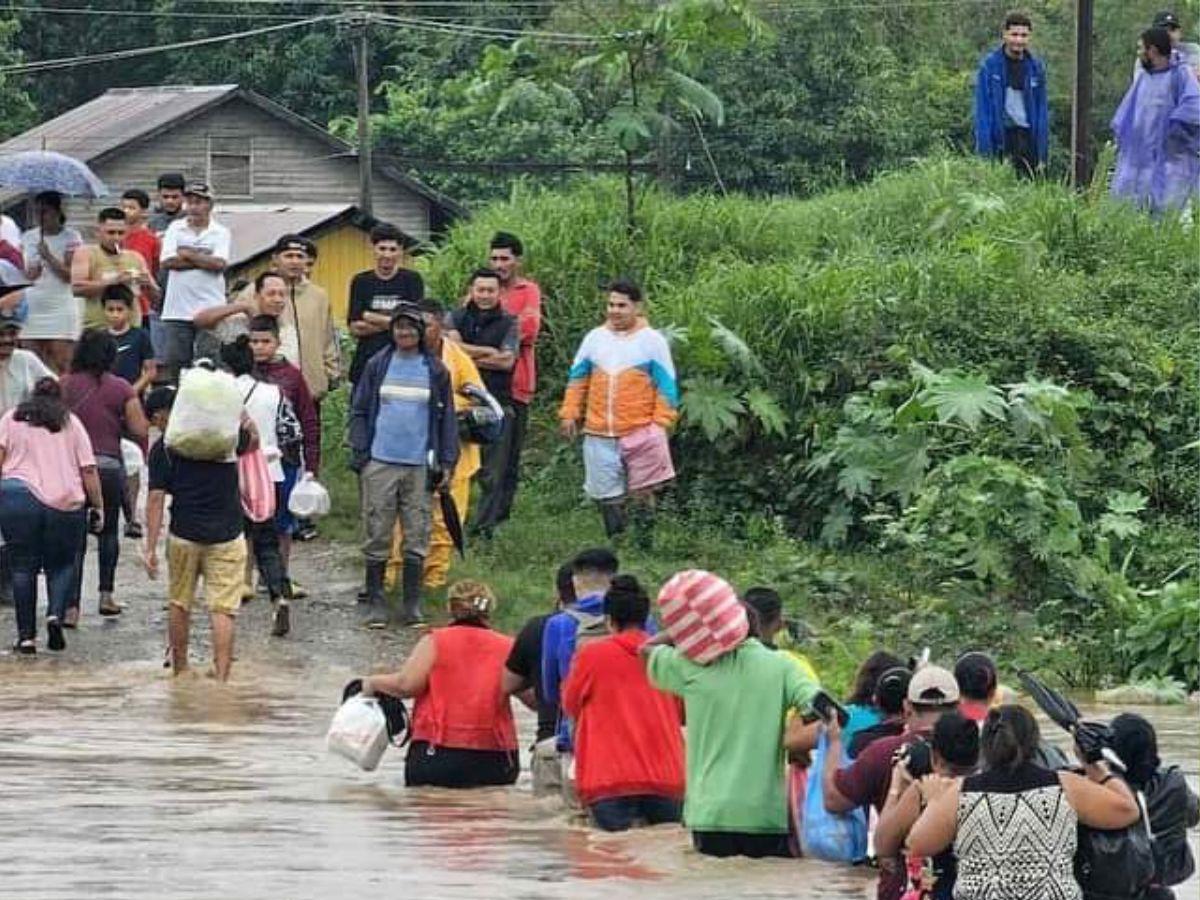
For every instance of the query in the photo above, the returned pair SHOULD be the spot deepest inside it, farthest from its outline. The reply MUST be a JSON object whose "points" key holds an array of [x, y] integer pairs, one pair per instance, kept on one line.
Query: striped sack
{"points": [[702, 614], [255, 486]]}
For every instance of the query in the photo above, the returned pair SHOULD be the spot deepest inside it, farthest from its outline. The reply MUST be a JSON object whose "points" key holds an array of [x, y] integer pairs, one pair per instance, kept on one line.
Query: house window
{"points": [[231, 166]]}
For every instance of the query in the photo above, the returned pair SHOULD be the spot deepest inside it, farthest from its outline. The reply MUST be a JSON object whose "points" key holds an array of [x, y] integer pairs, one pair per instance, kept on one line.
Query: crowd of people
{"points": [[1156, 127], [928, 773]]}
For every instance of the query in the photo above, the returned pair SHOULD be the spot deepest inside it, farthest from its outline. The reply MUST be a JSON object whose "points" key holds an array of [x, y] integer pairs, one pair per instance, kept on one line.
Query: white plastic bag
{"points": [[359, 732], [206, 416], [131, 456], [308, 499]]}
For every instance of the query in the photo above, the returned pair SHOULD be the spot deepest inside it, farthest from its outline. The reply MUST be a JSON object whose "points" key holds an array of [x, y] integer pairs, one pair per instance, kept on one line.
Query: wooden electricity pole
{"points": [[361, 61], [1081, 97]]}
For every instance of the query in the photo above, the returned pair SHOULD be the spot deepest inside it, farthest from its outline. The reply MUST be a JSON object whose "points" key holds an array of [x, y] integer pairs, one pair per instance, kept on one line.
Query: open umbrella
{"points": [[45, 170], [1093, 738], [450, 517]]}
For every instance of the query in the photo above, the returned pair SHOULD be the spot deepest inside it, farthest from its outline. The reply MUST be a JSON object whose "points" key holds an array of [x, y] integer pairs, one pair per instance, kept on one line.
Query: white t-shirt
{"points": [[53, 310], [191, 290], [10, 232], [262, 401], [18, 377]]}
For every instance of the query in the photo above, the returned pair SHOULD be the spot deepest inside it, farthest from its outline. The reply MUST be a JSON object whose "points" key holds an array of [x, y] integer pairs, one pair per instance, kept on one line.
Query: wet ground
{"points": [[119, 781]]}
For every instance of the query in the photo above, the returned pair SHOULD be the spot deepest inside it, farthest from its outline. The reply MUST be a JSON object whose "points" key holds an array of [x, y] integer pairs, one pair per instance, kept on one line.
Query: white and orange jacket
{"points": [[620, 382]]}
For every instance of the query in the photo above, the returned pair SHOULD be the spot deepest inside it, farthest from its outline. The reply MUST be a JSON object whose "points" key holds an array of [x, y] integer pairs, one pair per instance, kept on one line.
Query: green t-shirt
{"points": [[736, 707]]}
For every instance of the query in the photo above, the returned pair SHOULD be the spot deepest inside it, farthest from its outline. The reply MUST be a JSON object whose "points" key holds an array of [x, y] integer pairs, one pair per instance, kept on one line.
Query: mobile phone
{"points": [[827, 708]]}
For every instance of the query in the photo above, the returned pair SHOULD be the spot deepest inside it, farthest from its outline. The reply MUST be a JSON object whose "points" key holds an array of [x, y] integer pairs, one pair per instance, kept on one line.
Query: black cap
{"points": [[291, 242], [172, 181], [411, 313], [1166, 19], [198, 189]]}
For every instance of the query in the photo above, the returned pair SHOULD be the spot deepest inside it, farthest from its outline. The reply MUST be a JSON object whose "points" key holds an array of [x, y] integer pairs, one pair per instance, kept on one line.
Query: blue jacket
{"points": [[989, 105], [364, 410]]}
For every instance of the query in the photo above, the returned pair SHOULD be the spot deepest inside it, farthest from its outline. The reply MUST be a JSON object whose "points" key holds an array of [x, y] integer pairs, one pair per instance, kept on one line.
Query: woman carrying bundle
{"points": [[463, 734]]}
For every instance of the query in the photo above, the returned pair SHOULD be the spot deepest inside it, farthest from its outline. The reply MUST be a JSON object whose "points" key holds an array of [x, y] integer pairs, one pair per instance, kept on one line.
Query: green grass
{"points": [[553, 521]]}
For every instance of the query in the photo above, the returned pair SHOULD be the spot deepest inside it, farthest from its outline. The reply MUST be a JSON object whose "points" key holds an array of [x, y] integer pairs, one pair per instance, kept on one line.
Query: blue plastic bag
{"points": [[834, 837]]}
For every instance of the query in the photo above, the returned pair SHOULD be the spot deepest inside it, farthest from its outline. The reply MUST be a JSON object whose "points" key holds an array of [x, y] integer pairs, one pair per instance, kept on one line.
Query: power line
{"points": [[144, 14], [485, 30], [112, 55]]}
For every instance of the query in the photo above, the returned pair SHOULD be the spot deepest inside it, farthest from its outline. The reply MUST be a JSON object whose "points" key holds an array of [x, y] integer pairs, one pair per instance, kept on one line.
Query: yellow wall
{"points": [[342, 252]]}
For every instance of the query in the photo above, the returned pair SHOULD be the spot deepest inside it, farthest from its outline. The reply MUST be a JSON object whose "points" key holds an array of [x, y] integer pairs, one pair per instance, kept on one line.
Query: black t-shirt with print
{"points": [[370, 293]]}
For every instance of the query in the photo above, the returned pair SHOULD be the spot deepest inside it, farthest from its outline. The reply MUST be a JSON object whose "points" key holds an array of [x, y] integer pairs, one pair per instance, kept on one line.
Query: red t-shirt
{"points": [[147, 243], [523, 299], [628, 739]]}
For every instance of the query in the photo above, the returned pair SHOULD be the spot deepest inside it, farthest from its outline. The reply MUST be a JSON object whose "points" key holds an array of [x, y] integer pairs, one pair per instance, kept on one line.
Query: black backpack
{"points": [[1116, 864]]}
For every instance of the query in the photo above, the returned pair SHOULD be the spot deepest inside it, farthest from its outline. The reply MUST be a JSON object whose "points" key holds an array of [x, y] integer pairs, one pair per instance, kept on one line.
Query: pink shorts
{"points": [[646, 454]]}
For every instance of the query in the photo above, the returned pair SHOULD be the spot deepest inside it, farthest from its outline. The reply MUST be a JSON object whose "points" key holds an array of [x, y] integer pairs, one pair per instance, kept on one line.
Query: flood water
{"points": [[119, 782]]}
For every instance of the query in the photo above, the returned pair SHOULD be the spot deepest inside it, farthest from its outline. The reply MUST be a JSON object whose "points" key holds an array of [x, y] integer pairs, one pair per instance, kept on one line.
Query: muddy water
{"points": [[120, 783]]}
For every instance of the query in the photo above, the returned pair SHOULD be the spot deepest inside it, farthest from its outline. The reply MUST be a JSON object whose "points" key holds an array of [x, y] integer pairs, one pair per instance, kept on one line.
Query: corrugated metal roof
{"points": [[115, 118], [255, 229]]}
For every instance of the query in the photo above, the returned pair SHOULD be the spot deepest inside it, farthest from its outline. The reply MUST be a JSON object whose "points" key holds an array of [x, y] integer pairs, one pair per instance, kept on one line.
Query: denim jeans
{"points": [[178, 346], [263, 541], [39, 538], [108, 543], [622, 813]]}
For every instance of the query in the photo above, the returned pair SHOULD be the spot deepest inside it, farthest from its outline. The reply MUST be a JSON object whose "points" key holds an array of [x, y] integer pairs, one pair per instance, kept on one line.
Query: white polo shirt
{"points": [[191, 290]]}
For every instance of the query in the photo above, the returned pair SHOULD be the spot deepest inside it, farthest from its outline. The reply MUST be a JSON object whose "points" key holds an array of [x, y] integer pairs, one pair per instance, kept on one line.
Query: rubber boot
{"points": [[376, 598], [410, 580], [614, 519]]}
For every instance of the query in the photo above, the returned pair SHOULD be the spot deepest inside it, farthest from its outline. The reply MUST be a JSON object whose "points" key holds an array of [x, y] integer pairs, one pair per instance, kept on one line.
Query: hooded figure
{"points": [[1157, 128]]}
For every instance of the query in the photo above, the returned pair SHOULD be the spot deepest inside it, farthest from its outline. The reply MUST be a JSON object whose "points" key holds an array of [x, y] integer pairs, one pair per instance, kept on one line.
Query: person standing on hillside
{"points": [[195, 250], [403, 445], [521, 298], [375, 294], [105, 263], [622, 388], [1012, 113], [1157, 128], [489, 336]]}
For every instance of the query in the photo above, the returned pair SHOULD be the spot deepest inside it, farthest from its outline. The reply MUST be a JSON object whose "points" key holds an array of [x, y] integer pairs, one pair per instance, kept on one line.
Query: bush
{"points": [[984, 383]]}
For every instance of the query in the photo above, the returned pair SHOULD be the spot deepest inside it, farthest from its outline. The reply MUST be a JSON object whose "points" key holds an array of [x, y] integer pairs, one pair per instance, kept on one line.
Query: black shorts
{"points": [[429, 766], [741, 843]]}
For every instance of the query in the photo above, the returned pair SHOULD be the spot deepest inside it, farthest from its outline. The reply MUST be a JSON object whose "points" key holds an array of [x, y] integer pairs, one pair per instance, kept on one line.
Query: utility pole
{"points": [[361, 62], [1081, 98]]}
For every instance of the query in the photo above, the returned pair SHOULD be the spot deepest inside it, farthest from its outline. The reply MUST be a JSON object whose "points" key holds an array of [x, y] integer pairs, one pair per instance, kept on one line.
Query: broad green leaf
{"points": [[964, 398], [712, 406], [1128, 503], [855, 481], [734, 347], [767, 411], [696, 96], [1120, 526]]}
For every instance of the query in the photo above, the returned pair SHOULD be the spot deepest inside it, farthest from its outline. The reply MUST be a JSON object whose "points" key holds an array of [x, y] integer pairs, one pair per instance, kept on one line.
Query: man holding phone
{"points": [[931, 692]]}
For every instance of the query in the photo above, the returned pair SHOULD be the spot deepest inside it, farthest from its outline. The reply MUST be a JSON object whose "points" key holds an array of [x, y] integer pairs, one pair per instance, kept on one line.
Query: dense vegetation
{"points": [[854, 88], [968, 404]]}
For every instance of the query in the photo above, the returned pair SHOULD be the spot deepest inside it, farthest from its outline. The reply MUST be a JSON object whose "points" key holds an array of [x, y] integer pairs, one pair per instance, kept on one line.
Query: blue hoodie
{"points": [[989, 105]]}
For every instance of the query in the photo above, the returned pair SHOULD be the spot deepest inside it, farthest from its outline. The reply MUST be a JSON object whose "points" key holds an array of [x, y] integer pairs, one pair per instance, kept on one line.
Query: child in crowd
{"points": [[135, 363], [274, 368]]}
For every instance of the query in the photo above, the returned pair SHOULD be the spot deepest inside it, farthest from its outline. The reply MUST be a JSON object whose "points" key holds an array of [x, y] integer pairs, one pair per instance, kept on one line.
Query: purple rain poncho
{"points": [[1157, 127]]}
